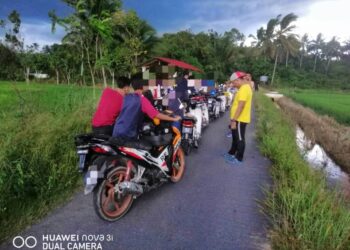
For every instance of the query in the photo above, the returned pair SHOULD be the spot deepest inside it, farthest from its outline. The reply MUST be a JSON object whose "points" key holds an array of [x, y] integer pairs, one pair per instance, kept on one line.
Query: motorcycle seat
{"points": [[86, 138], [192, 118], [158, 140], [134, 143]]}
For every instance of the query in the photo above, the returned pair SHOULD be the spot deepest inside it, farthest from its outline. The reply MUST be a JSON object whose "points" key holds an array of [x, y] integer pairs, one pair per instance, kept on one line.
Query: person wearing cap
{"points": [[240, 116], [248, 77]]}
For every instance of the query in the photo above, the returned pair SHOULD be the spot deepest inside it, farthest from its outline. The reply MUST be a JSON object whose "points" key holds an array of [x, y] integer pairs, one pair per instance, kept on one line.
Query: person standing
{"points": [[240, 116], [248, 78], [181, 89], [109, 107]]}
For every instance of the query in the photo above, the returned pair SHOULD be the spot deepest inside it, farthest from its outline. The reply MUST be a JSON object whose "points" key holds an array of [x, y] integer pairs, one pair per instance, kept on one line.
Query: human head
{"points": [[186, 74], [124, 83], [237, 79], [248, 77], [148, 94], [137, 84]]}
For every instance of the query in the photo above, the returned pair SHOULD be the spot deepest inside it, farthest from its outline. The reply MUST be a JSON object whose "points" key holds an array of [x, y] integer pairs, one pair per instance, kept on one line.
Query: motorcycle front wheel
{"points": [[110, 205]]}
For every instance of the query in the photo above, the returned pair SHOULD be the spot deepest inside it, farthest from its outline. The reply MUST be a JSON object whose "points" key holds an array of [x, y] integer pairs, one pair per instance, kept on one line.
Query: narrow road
{"points": [[213, 207]]}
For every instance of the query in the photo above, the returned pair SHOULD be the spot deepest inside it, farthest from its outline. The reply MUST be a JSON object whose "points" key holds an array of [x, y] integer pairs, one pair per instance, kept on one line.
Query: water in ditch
{"points": [[317, 158]]}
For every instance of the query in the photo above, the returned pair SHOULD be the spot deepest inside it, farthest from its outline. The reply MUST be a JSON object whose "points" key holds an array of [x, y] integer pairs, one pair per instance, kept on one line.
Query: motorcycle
{"points": [[213, 106], [223, 102], [229, 98], [198, 101], [190, 138], [118, 171]]}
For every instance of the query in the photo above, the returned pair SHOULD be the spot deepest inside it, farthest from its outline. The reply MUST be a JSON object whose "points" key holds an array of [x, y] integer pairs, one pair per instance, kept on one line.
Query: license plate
{"points": [[82, 158], [187, 130]]}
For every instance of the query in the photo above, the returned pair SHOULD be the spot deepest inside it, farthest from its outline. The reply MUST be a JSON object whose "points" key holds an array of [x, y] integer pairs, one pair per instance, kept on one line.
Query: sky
{"points": [[330, 17]]}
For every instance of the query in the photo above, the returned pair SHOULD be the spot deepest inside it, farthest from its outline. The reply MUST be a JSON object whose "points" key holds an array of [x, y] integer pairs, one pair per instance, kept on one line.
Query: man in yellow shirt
{"points": [[240, 116]]}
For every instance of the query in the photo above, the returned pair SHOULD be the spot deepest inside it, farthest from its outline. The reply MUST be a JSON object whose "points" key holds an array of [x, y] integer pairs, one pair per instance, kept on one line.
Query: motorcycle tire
{"points": [[109, 205], [186, 147], [177, 173]]}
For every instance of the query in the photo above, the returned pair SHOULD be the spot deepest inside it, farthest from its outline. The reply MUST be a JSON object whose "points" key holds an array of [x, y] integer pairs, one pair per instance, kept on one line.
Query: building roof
{"points": [[173, 62]]}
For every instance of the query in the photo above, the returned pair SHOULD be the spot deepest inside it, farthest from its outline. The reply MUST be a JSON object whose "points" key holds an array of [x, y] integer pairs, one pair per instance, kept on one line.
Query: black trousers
{"points": [[238, 141], [103, 130]]}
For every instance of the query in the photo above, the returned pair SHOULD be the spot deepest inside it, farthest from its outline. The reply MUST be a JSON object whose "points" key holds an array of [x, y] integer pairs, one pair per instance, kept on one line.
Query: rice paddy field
{"points": [[38, 123], [335, 104]]}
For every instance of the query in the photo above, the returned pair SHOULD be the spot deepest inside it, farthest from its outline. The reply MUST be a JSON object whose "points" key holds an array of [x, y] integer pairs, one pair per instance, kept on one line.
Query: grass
{"points": [[332, 103], [303, 213], [37, 154], [332, 136]]}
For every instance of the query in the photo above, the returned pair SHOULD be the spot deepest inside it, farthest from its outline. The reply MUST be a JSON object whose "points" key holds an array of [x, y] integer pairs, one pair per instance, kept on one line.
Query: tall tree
{"points": [[86, 24], [331, 51], [316, 48], [283, 39], [304, 45], [136, 34]]}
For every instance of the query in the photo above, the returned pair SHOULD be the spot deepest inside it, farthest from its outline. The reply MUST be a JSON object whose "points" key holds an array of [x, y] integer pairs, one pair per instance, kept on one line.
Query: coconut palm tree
{"points": [[316, 48], [283, 39], [264, 38], [304, 44], [331, 51]]}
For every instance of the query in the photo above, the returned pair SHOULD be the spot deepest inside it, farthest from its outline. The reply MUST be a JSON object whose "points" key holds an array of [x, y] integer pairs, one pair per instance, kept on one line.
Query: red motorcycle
{"points": [[119, 171]]}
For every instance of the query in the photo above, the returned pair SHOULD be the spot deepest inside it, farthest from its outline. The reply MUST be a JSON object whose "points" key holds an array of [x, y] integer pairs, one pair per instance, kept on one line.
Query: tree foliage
{"points": [[104, 41]]}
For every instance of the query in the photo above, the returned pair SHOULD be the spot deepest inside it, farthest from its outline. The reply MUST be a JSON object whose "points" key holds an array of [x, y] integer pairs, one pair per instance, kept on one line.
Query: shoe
{"points": [[228, 156], [233, 161]]}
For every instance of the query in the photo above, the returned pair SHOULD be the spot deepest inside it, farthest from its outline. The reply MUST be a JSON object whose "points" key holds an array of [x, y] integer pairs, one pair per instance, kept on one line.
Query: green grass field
{"points": [[331, 103], [37, 153], [303, 212]]}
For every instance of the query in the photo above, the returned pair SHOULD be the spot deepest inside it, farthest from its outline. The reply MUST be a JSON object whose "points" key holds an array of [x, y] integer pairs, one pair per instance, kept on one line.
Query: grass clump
{"points": [[303, 213]]}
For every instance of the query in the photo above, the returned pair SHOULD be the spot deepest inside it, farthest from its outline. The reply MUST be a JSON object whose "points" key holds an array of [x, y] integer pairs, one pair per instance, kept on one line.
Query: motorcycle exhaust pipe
{"points": [[128, 187]]}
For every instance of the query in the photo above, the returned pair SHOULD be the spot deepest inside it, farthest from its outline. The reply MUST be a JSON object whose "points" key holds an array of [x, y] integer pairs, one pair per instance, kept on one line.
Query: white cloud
{"points": [[331, 18], [40, 33]]}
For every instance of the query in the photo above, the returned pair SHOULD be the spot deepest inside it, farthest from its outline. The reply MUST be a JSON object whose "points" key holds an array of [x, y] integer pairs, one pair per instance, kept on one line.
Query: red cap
{"points": [[236, 75]]}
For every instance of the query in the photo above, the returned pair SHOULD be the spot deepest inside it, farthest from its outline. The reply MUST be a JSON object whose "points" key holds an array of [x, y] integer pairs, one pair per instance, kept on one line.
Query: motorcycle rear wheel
{"points": [[111, 206], [186, 147], [177, 173]]}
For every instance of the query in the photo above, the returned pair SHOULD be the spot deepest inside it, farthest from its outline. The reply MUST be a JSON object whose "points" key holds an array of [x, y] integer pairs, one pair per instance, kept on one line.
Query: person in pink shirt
{"points": [[135, 106], [109, 107]]}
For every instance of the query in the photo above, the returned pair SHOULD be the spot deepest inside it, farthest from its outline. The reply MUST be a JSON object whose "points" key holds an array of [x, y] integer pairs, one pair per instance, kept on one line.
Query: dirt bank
{"points": [[333, 137]]}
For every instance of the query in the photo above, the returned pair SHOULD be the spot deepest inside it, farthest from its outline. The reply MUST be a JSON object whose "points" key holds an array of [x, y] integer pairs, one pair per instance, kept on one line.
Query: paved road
{"points": [[213, 207]]}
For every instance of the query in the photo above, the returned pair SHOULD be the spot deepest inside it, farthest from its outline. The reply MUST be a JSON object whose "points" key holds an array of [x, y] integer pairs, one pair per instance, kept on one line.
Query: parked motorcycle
{"points": [[229, 98], [223, 102], [213, 106], [199, 101], [118, 171], [190, 139]]}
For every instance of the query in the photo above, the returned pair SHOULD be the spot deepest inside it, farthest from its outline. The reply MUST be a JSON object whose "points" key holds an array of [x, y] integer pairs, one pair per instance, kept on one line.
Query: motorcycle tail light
{"points": [[101, 149], [187, 123]]}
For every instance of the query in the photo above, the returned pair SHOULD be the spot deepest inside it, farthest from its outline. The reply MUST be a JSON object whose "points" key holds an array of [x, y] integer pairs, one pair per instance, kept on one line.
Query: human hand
{"points": [[177, 118], [233, 124]]}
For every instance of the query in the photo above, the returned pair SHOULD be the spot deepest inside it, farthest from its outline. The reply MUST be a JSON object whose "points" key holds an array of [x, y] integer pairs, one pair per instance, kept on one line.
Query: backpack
{"points": [[130, 119]]}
